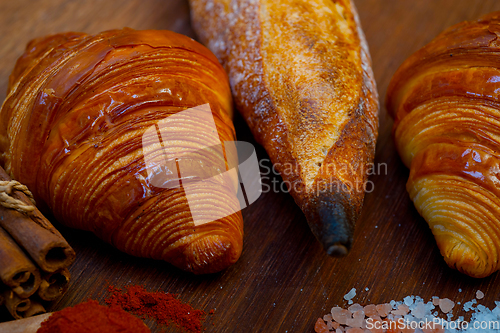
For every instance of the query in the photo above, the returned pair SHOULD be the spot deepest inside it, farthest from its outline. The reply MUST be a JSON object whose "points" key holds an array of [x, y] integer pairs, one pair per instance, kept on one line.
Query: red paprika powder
{"points": [[90, 317], [163, 307]]}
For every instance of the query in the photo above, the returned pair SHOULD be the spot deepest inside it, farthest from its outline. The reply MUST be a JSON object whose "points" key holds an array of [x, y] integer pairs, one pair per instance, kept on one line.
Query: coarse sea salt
{"points": [[408, 300], [350, 295], [409, 315], [446, 305]]}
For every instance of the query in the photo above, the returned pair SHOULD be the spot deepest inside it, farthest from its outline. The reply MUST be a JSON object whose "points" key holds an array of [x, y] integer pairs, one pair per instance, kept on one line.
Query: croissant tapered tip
{"points": [[211, 253], [466, 257]]}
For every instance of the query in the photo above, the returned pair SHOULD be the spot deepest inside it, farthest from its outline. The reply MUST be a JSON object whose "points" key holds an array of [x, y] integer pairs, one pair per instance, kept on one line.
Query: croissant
{"points": [[445, 103], [301, 77], [81, 127]]}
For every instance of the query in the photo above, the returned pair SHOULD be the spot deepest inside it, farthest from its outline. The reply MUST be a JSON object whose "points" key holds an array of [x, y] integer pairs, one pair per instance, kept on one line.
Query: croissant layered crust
{"points": [[445, 102], [73, 130]]}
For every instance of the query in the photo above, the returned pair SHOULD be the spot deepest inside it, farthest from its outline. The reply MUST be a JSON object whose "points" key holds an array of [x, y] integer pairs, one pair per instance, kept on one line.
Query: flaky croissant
{"points": [[301, 77], [81, 127], [445, 102]]}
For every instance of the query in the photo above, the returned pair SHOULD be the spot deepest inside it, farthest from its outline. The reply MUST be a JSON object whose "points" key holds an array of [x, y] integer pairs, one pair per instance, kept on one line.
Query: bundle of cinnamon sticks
{"points": [[34, 259]]}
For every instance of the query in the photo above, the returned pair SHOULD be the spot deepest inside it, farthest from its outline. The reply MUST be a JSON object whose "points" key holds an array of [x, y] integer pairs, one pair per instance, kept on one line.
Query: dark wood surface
{"points": [[283, 281]]}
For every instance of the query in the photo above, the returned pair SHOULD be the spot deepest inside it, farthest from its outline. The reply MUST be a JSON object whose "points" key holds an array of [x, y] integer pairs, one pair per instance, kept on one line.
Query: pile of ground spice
{"points": [[165, 308], [90, 317]]}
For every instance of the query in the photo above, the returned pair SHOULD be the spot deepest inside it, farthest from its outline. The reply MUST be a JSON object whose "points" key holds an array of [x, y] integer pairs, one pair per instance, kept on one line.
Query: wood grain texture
{"points": [[283, 281]]}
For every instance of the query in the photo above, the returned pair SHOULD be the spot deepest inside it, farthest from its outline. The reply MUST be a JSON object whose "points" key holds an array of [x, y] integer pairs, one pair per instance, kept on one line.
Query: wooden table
{"points": [[283, 281]]}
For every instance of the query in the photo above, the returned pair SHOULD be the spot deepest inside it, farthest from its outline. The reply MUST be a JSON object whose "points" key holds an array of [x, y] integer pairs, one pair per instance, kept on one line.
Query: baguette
{"points": [[301, 77]]}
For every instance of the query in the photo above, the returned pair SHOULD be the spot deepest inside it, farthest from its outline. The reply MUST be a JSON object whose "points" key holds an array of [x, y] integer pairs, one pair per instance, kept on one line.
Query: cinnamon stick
{"points": [[35, 309], [27, 325], [36, 234], [16, 269], [16, 305], [54, 285]]}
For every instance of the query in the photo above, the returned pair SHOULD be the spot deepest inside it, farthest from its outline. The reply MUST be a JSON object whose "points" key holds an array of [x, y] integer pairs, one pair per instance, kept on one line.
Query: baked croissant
{"points": [[445, 103], [301, 77], [81, 127]]}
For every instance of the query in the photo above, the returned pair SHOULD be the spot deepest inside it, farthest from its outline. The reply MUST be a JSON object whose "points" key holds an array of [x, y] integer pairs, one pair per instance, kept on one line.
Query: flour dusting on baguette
{"points": [[301, 77]]}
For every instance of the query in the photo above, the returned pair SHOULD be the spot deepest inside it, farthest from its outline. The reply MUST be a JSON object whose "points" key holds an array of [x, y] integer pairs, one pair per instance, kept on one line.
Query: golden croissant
{"points": [[301, 77], [445, 103], [81, 126]]}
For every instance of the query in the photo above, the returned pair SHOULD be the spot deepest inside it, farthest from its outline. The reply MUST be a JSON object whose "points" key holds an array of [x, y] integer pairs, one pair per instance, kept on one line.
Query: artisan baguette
{"points": [[300, 76]]}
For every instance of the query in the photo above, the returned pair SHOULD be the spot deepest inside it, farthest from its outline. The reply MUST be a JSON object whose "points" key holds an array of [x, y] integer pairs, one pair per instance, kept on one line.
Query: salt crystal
{"points": [[419, 311], [383, 309], [334, 311], [402, 310], [350, 295], [446, 305], [482, 308], [408, 300], [355, 307], [496, 311], [468, 306], [356, 320], [435, 300], [370, 310], [429, 307], [366, 289], [350, 302], [327, 317], [340, 315], [320, 326], [338, 330], [479, 294]]}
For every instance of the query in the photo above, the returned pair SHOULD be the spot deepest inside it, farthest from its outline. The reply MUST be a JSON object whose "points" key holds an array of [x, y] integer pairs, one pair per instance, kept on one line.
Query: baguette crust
{"points": [[300, 75]]}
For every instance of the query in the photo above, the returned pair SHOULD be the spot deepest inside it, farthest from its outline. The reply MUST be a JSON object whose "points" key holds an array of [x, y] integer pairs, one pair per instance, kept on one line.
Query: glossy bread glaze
{"points": [[301, 77], [445, 102], [72, 130]]}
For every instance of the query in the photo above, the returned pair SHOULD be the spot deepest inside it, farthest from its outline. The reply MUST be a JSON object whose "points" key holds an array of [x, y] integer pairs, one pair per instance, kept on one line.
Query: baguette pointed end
{"points": [[332, 220], [337, 250]]}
